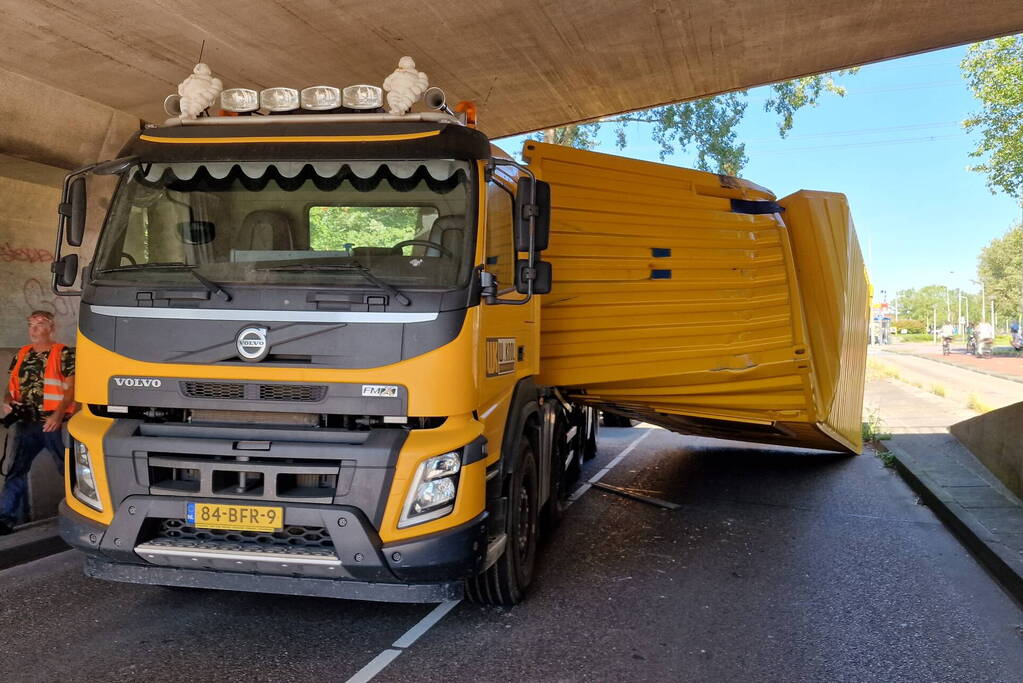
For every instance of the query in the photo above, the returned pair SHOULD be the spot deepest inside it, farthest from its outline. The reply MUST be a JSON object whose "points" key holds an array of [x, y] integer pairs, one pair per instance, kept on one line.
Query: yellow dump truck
{"points": [[359, 355]]}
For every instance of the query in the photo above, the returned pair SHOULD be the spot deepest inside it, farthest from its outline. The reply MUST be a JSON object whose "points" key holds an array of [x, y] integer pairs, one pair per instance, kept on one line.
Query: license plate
{"points": [[235, 517]]}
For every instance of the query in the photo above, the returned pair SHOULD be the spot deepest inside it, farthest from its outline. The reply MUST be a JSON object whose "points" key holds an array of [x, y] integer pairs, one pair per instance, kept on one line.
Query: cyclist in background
{"points": [[947, 332]]}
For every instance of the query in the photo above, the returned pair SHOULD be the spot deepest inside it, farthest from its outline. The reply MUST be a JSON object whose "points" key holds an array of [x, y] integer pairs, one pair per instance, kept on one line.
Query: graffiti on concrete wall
{"points": [[9, 254], [39, 296]]}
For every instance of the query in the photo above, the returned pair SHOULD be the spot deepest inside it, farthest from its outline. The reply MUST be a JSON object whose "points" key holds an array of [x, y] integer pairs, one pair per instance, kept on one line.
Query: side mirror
{"points": [[197, 232], [524, 209], [74, 209], [542, 276], [65, 270]]}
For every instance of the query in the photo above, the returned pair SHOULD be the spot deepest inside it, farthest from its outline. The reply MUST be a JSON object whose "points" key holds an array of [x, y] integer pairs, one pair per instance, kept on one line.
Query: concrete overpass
{"points": [[77, 78]]}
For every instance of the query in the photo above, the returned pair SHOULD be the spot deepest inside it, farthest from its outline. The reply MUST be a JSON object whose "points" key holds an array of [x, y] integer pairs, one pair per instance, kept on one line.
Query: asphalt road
{"points": [[780, 565]]}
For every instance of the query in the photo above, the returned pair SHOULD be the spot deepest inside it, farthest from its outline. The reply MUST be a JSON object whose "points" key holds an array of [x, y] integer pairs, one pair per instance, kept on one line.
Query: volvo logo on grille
{"points": [[137, 382], [252, 344]]}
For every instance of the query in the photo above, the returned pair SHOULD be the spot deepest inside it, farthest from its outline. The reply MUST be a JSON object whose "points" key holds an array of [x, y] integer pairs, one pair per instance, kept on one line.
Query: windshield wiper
{"points": [[213, 287], [353, 266]]}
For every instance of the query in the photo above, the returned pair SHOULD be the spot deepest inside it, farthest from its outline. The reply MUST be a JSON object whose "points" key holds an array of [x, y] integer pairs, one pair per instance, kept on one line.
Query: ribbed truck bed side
{"points": [[675, 301]]}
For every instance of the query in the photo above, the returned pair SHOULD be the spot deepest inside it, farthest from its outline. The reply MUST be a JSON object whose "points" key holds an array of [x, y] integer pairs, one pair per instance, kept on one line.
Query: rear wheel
{"points": [[505, 582], [563, 475], [592, 424]]}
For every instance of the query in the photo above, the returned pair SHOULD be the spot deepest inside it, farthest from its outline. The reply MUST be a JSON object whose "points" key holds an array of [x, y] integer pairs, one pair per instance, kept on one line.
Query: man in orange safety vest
{"points": [[41, 395]]}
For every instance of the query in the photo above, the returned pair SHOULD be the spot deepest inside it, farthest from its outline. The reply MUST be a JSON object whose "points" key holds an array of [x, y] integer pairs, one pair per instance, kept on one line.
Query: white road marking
{"points": [[600, 475], [378, 664], [425, 624], [382, 660]]}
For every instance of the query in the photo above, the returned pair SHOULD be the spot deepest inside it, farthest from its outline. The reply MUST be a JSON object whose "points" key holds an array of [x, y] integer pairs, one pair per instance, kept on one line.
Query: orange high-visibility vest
{"points": [[54, 382]]}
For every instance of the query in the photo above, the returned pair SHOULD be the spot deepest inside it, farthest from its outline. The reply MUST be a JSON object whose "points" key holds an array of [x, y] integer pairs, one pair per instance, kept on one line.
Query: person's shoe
{"points": [[5, 528]]}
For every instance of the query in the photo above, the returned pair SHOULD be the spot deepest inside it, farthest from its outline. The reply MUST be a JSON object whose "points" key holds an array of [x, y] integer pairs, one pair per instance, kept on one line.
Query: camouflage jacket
{"points": [[30, 376]]}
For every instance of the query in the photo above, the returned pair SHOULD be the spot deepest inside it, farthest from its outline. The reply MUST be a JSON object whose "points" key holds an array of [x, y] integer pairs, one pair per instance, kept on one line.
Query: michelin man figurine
{"points": [[405, 86], [198, 91]]}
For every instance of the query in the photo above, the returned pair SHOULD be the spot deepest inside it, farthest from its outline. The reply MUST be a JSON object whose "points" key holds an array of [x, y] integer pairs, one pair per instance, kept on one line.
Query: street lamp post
{"points": [[959, 305], [983, 300]]}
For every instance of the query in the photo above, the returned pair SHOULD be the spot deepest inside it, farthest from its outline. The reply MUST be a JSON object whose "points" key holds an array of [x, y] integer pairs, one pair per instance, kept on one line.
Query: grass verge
{"points": [[977, 405], [873, 433]]}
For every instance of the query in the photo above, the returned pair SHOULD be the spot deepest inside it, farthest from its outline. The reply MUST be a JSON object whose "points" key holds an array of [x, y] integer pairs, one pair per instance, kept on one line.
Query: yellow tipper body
{"points": [[693, 301]]}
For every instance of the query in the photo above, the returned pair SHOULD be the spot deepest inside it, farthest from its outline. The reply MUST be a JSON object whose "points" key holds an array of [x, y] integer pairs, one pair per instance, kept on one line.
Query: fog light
{"points": [[279, 99], [239, 100], [363, 97], [320, 97], [85, 483]]}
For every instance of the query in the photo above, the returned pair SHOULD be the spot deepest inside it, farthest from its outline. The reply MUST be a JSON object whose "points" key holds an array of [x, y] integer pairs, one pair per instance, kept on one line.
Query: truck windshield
{"points": [[324, 223]]}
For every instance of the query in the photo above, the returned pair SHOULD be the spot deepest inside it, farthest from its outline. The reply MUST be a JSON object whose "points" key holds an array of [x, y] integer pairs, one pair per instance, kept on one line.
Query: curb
{"points": [[1004, 565], [31, 543]]}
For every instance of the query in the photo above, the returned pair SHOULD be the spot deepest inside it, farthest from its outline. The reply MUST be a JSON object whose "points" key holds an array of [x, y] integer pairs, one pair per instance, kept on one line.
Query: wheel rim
{"points": [[523, 529]]}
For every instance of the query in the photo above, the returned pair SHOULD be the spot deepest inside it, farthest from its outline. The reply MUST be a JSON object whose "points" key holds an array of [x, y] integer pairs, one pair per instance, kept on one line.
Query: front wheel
{"points": [[505, 582]]}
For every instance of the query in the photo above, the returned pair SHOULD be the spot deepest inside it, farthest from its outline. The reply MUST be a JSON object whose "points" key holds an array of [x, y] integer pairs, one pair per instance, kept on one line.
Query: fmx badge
{"points": [[500, 356], [380, 390], [251, 343]]}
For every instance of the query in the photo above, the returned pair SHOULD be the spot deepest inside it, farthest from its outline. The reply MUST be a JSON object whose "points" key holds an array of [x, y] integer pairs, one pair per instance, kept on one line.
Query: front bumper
{"points": [[426, 569]]}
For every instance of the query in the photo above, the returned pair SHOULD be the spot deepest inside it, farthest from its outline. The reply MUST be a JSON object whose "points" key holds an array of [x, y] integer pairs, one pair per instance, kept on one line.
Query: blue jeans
{"points": [[29, 441]]}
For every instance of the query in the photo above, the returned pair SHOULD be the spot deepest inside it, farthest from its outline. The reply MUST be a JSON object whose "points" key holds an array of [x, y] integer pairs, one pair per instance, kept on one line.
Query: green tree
{"points": [[994, 70], [332, 227], [999, 266], [921, 303], [707, 126]]}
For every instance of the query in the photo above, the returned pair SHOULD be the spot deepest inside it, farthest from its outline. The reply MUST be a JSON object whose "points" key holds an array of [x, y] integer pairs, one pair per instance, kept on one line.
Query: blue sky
{"points": [[896, 147]]}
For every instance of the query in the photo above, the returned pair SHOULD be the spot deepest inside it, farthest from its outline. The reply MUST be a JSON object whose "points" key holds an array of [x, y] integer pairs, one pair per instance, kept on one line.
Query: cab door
{"points": [[508, 334]]}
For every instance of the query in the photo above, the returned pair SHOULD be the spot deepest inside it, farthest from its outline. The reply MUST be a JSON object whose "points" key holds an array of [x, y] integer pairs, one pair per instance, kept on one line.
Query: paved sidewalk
{"points": [[986, 516], [958, 384], [1009, 367], [30, 542]]}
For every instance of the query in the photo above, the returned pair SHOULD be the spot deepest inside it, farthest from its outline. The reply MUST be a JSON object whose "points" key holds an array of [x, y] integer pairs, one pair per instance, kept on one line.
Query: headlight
{"points": [[239, 100], [321, 97], [433, 490], [363, 97], [279, 99], [85, 483]]}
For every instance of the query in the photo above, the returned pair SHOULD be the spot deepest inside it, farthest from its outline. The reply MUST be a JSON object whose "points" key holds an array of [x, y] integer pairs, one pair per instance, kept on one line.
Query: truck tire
{"points": [[505, 582], [592, 425], [562, 478]]}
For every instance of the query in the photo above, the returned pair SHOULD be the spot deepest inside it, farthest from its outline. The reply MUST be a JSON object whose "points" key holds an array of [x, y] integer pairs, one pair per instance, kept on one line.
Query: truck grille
{"points": [[215, 390], [296, 550], [291, 536], [235, 391], [291, 392], [284, 479]]}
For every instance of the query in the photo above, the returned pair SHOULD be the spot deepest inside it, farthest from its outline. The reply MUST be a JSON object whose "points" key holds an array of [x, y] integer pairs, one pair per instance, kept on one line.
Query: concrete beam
{"points": [[527, 65], [50, 126]]}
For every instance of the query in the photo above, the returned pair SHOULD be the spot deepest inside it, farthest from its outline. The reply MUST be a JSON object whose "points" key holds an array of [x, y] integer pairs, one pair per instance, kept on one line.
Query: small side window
{"points": [[500, 251]]}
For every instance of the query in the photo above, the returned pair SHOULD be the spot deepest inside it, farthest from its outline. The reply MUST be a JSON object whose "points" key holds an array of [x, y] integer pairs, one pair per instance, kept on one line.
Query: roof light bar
{"points": [[239, 100], [279, 99], [363, 97], [321, 97]]}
